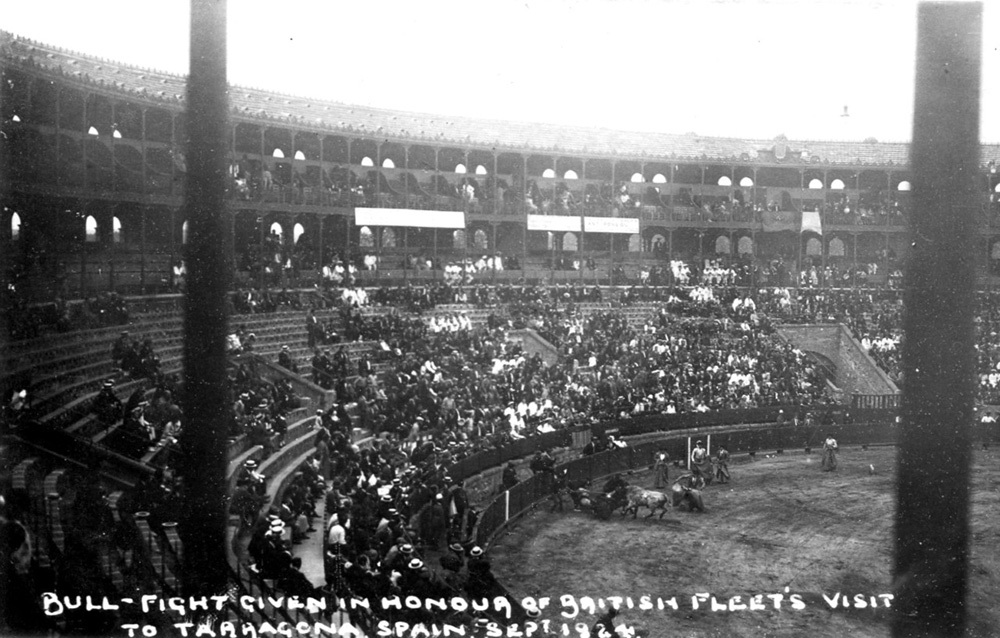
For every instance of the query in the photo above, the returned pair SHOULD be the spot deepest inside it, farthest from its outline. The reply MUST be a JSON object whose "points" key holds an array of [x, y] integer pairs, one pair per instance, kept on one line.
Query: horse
{"points": [[640, 497], [687, 490]]}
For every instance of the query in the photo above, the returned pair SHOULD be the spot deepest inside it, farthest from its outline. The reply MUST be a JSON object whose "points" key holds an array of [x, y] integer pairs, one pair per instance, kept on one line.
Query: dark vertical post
{"points": [[932, 520], [209, 263]]}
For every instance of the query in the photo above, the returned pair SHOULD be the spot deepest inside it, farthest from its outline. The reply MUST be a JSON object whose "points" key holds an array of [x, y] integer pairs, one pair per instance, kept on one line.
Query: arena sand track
{"points": [[780, 523]]}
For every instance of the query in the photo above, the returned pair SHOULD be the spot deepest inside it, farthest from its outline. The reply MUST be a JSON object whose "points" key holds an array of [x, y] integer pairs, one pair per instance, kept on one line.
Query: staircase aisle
{"points": [[311, 549]]}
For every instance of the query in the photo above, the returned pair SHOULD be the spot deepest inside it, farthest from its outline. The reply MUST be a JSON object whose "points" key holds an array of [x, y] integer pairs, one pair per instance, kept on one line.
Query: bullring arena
{"points": [[780, 523], [434, 342]]}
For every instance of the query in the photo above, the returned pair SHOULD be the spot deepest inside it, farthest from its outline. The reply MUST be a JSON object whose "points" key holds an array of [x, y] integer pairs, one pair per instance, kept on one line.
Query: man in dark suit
{"points": [[107, 406]]}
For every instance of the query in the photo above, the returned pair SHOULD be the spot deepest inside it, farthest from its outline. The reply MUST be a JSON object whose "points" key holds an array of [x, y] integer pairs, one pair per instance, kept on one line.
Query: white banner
{"points": [[407, 217], [564, 223], [811, 222], [624, 225]]}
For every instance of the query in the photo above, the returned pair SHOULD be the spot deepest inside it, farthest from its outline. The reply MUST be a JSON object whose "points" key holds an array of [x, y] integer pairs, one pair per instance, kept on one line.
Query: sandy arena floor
{"points": [[781, 523]]}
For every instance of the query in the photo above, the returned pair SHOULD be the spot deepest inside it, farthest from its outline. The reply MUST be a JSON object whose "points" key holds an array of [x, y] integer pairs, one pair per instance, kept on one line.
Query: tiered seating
{"points": [[66, 371], [639, 314]]}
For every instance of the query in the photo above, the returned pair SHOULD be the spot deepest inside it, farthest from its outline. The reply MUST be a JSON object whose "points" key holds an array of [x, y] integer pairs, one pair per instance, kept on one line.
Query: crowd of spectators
{"points": [[451, 387], [873, 208], [397, 524]]}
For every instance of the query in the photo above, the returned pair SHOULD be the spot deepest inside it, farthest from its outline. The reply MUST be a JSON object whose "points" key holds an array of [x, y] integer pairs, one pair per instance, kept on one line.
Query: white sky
{"points": [[748, 68]]}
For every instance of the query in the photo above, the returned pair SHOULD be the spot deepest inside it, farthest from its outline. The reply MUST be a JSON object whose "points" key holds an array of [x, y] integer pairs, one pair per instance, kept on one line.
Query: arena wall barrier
{"points": [[577, 437]]}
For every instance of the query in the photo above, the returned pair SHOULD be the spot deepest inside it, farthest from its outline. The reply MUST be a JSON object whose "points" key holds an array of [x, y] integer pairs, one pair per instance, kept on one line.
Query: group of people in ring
{"points": [[701, 465]]}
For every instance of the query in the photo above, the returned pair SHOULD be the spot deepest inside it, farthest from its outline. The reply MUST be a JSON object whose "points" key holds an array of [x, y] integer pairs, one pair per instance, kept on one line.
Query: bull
{"points": [[637, 497]]}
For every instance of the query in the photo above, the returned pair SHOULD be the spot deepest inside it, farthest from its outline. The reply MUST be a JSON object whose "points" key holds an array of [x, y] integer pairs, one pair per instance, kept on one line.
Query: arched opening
{"points": [[570, 174], [388, 238], [569, 242], [815, 184], [836, 247], [722, 245], [837, 185], [725, 181], [550, 240], [365, 237], [814, 248], [905, 186], [15, 227], [746, 182], [479, 239], [92, 131], [184, 233], [90, 227], [299, 155], [744, 246], [276, 229], [549, 173], [278, 153], [460, 169], [388, 163], [637, 178], [297, 231], [659, 179], [116, 230], [634, 243], [458, 239], [657, 242], [480, 170], [367, 161]]}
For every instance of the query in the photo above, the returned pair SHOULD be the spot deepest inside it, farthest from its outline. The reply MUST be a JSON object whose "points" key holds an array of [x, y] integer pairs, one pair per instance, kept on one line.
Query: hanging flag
{"points": [[778, 220], [812, 223]]}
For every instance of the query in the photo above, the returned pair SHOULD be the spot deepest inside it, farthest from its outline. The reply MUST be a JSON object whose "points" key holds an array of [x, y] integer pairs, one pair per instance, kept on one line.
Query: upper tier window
{"points": [[90, 228]]}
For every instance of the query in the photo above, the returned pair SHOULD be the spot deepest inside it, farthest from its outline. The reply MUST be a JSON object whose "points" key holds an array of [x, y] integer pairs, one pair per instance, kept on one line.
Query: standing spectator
{"points": [[829, 454], [661, 469], [722, 465]]}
